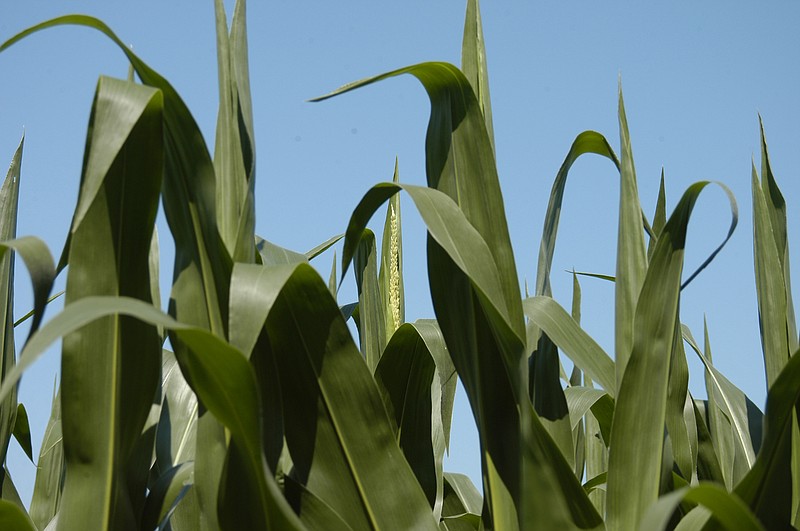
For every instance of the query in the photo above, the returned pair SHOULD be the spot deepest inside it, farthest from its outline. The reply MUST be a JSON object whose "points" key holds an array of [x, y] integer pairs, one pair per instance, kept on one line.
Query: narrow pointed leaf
{"points": [[9, 199], [473, 63], [631, 253], [46, 498], [637, 435], [372, 328]]}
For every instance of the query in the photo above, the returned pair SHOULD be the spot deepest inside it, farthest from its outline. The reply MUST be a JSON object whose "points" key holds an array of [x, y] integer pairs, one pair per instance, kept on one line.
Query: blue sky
{"points": [[695, 76]]}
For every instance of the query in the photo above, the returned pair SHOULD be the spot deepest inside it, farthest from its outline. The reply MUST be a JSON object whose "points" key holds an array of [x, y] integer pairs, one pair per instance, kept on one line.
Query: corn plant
{"points": [[248, 404]]}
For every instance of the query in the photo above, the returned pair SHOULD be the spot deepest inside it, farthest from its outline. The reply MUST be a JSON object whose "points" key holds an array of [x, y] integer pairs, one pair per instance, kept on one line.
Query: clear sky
{"points": [[695, 76]]}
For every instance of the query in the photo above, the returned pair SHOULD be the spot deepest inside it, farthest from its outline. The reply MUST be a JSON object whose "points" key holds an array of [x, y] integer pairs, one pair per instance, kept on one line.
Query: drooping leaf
{"points": [[165, 495]]}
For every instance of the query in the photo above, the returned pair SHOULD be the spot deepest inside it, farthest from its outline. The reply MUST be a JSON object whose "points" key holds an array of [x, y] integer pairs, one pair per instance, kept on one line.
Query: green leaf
{"points": [[473, 63], [110, 369], [202, 264], [372, 328], [219, 374], [770, 287], [548, 315], [733, 405], [305, 328], [9, 199], [165, 495], [681, 432], [337, 431], [176, 436], [637, 435], [234, 151], [460, 163], [14, 517], [631, 254], [461, 496], [177, 425], [272, 254], [725, 507], [417, 381], [22, 431], [586, 142], [659, 218], [49, 470], [767, 488], [324, 246]]}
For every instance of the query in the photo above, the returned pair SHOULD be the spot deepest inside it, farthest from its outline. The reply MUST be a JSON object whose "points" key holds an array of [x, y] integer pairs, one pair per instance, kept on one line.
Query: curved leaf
{"points": [[637, 435], [14, 517], [725, 507], [767, 488], [548, 315], [110, 369], [417, 381]]}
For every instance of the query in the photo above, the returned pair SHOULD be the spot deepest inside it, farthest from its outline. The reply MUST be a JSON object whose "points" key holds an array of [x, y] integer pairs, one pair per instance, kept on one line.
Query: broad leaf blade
{"points": [[110, 369]]}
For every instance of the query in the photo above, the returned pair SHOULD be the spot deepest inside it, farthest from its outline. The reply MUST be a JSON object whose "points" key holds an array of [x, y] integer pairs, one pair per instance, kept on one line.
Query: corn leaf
{"points": [[322, 381], [767, 488], [165, 495], [223, 380], [9, 199], [417, 382], [372, 330], [586, 142], [637, 436], [473, 63], [110, 369], [234, 151], [724, 507], [631, 253], [46, 498], [464, 283], [548, 315], [14, 517], [459, 162], [733, 405]]}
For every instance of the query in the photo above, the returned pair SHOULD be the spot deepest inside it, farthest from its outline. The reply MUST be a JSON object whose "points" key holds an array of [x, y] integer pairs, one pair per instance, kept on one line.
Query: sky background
{"points": [[695, 76]]}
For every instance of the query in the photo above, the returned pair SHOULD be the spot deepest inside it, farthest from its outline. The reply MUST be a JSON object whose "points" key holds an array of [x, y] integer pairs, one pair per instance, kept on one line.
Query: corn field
{"points": [[258, 400]]}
